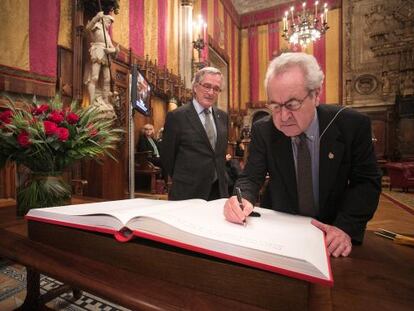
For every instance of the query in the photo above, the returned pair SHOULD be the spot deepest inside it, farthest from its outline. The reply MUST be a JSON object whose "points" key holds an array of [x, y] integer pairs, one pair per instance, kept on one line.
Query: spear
{"points": [[111, 85]]}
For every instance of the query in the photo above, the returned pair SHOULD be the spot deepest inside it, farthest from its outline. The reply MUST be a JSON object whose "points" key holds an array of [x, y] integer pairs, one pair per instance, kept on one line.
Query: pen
{"points": [[239, 199], [397, 238]]}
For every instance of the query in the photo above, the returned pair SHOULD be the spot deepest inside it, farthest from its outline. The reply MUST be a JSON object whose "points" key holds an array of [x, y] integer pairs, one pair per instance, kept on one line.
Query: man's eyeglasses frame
{"points": [[277, 107], [209, 87]]}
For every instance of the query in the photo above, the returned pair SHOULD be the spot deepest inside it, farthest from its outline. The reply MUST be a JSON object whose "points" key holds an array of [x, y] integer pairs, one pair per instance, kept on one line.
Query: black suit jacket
{"points": [[349, 178], [188, 157], [145, 145]]}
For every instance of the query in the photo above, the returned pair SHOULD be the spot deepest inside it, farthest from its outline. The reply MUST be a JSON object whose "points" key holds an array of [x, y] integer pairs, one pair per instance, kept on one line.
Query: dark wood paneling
{"points": [[379, 137], [65, 74], [109, 180], [384, 122], [8, 181], [22, 82]]}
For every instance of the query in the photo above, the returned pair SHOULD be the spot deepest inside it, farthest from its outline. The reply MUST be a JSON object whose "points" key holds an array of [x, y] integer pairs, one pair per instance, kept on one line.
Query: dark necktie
{"points": [[304, 178], [208, 125]]}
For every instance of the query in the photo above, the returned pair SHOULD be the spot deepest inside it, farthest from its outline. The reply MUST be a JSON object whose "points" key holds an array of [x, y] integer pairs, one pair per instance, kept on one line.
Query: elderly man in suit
{"points": [[147, 142], [320, 158], [194, 143]]}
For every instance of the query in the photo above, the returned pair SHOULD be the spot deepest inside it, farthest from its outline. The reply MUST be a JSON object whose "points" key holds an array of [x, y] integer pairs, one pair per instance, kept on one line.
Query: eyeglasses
{"points": [[208, 87], [292, 104]]}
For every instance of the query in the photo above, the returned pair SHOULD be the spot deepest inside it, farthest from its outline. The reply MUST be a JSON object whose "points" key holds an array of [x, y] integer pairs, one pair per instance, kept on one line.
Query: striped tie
{"points": [[208, 125]]}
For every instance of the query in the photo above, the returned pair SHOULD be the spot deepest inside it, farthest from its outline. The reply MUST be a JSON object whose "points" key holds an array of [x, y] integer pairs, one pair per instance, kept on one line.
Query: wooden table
{"points": [[377, 275]]}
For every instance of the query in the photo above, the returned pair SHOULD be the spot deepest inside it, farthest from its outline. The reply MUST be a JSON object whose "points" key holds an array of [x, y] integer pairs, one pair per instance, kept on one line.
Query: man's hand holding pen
{"points": [[233, 210]]}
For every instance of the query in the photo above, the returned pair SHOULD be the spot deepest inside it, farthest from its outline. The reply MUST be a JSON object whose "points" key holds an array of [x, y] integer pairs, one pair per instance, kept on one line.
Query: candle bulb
{"points": [[326, 15], [194, 29], [291, 11], [200, 23], [316, 8], [322, 19], [205, 33], [285, 21]]}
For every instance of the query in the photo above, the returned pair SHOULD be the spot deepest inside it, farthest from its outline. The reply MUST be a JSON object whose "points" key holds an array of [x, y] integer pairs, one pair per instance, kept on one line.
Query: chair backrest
{"points": [[142, 163], [144, 167]]}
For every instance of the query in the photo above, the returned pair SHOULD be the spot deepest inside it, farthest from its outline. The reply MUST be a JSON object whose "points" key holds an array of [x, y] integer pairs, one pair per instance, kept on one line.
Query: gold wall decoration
{"points": [[366, 84], [378, 69]]}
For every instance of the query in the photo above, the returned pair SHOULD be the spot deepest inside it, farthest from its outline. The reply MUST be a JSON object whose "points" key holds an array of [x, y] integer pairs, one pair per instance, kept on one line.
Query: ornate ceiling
{"points": [[246, 6]]}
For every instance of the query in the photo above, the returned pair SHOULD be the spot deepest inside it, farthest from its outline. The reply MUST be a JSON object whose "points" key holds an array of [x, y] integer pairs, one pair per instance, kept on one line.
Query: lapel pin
{"points": [[331, 155]]}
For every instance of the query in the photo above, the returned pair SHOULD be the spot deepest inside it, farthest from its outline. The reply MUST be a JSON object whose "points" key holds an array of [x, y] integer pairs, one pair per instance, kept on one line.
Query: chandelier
{"points": [[308, 25]]}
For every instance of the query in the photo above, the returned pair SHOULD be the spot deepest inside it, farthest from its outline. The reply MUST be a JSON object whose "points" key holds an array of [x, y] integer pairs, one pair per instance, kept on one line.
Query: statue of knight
{"points": [[98, 76]]}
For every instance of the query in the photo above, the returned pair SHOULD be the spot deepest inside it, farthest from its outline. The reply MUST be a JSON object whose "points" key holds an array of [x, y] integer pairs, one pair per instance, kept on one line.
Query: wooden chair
{"points": [[78, 186], [144, 167]]}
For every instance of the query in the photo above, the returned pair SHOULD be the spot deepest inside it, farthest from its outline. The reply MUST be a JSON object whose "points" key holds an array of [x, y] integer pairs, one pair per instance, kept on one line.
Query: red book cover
{"points": [[276, 242]]}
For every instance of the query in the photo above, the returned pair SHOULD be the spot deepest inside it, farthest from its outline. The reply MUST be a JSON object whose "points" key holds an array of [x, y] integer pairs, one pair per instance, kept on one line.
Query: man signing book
{"points": [[320, 158]]}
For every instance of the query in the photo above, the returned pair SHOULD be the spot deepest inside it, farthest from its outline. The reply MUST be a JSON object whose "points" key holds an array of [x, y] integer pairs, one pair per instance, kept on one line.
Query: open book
{"points": [[277, 242]]}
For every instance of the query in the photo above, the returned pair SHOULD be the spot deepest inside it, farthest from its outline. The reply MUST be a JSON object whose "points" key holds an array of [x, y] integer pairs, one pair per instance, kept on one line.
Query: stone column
{"points": [[185, 39]]}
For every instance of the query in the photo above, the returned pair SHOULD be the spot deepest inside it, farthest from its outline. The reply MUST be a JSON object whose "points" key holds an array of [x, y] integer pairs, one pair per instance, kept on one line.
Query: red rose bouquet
{"points": [[47, 138]]}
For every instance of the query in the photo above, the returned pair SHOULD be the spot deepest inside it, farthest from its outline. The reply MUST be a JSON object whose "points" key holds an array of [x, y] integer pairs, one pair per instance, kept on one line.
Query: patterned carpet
{"points": [[13, 292], [404, 200]]}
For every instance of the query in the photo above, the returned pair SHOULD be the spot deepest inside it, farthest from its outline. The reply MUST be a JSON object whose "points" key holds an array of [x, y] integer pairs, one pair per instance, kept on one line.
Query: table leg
{"points": [[32, 291]]}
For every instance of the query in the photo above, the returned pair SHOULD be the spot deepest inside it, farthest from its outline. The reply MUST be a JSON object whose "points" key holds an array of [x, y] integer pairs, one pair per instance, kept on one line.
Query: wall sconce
{"points": [[200, 42]]}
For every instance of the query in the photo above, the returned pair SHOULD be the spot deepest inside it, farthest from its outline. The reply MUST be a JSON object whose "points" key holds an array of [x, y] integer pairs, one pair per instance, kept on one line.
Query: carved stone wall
{"points": [[378, 65]]}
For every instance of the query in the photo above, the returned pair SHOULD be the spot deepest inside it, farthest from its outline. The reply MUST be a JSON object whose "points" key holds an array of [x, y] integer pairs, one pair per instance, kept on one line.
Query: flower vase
{"points": [[40, 189]]}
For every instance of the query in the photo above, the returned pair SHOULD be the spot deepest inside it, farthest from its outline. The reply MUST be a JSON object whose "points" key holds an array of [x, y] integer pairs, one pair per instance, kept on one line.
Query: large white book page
{"points": [[273, 233], [110, 214]]}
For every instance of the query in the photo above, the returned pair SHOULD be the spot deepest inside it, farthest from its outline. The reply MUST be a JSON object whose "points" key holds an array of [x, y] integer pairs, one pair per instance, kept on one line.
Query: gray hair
{"points": [[199, 75], [307, 63], [148, 125]]}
